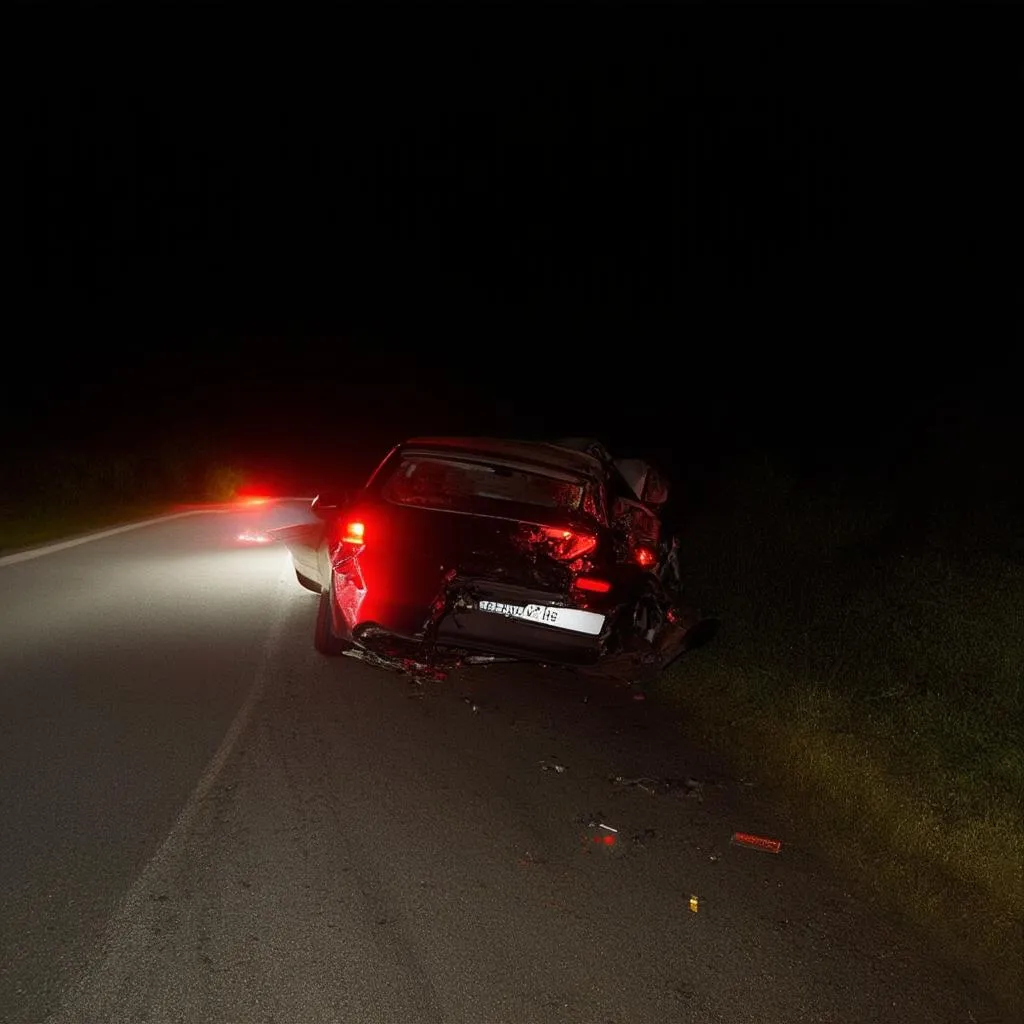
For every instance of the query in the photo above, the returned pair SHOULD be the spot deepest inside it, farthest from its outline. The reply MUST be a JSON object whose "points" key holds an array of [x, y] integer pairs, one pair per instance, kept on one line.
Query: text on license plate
{"points": [[576, 620]]}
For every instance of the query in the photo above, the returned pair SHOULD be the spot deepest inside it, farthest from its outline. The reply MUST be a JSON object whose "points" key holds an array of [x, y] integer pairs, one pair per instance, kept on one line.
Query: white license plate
{"points": [[573, 619]]}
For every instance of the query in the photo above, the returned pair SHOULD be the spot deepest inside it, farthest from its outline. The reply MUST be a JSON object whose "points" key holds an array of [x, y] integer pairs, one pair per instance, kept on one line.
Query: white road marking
{"points": [[62, 545], [127, 933], [49, 549]]}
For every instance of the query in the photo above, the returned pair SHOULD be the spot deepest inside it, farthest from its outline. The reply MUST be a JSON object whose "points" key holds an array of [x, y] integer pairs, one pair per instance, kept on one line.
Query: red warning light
{"points": [[354, 533]]}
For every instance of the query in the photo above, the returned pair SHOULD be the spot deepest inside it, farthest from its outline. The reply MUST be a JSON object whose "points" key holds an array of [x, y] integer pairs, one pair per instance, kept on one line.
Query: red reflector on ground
{"points": [[757, 842], [595, 586]]}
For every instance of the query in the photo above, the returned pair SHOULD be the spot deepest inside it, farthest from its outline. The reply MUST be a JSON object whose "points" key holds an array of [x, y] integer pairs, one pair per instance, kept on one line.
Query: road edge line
{"points": [[97, 990]]}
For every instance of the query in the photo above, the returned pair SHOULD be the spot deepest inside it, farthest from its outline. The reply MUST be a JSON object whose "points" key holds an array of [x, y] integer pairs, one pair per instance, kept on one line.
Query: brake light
{"points": [[568, 545], [354, 533], [644, 557], [592, 584]]}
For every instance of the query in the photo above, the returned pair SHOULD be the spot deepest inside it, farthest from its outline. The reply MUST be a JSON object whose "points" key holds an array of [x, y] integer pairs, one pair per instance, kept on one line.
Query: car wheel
{"points": [[324, 639], [305, 581]]}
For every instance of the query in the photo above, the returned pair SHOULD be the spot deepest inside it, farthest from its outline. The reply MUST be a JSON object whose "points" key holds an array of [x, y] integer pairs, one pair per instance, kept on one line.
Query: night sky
{"points": [[696, 237]]}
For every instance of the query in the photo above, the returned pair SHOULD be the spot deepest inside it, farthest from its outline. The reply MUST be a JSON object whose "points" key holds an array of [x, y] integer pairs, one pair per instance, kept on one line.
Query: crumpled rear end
{"points": [[465, 623]]}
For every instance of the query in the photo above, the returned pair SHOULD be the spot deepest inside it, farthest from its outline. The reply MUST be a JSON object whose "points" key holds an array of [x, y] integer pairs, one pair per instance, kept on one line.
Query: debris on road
{"points": [[528, 859], [679, 787], [552, 766], [757, 842], [420, 671], [595, 821], [694, 904], [641, 838], [597, 832]]}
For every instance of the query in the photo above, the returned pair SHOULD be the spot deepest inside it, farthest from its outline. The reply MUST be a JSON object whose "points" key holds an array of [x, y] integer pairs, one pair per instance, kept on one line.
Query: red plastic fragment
{"points": [[757, 842]]}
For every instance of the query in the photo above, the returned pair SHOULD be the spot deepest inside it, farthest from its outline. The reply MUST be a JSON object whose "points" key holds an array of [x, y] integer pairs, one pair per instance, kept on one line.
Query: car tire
{"points": [[305, 581], [324, 639]]}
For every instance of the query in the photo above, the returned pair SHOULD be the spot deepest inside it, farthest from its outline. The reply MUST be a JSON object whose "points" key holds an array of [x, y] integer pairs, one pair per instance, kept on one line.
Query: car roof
{"points": [[539, 453]]}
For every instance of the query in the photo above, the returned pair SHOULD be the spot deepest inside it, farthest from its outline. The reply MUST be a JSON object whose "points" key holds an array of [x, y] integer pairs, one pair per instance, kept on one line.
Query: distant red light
{"points": [[644, 557], [592, 584]]}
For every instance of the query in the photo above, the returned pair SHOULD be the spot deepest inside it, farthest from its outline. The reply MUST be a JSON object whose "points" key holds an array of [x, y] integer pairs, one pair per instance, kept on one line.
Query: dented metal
{"points": [[469, 551]]}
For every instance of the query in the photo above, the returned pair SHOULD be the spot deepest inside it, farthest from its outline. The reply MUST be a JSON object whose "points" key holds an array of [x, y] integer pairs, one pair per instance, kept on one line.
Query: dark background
{"points": [[293, 241]]}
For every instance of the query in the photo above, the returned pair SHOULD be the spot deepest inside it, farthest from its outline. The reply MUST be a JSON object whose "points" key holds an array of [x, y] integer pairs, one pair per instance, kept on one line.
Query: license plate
{"points": [[575, 620]]}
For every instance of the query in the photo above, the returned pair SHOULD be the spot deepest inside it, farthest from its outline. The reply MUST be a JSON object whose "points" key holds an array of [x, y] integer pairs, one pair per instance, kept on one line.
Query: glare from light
{"points": [[253, 537]]}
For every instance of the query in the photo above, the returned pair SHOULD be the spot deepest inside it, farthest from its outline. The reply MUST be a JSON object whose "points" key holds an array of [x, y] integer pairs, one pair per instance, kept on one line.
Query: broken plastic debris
{"points": [[681, 787], [419, 671], [529, 858], [757, 842], [694, 904], [598, 832]]}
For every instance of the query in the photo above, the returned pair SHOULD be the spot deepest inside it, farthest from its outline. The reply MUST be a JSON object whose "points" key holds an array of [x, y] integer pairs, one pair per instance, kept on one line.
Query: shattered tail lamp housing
{"points": [[644, 556], [568, 545]]}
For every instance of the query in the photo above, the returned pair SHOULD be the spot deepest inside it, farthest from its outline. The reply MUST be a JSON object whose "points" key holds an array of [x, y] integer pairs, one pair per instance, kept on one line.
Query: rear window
{"points": [[453, 484]]}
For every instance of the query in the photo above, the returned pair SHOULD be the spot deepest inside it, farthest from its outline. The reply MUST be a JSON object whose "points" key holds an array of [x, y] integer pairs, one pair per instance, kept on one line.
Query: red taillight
{"points": [[568, 545], [592, 584], [645, 557], [354, 533]]}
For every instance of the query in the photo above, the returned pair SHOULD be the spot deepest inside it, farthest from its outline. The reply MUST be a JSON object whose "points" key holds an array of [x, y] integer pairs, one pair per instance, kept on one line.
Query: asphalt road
{"points": [[204, 820]]}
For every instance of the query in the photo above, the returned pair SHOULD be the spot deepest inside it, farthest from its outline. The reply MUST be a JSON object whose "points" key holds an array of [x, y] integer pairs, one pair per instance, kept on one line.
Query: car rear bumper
{"points": [[475, 630], [485, 616]]}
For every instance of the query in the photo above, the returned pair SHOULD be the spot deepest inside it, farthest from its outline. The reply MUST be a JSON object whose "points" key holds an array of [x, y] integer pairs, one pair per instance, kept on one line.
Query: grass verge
{"points": [[24, 529], [937, 850], [878, 696], [77, 492]]}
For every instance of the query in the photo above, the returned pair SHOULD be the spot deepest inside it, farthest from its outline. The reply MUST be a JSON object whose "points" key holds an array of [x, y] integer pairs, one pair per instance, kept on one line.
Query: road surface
{"points": [[205, 820]]}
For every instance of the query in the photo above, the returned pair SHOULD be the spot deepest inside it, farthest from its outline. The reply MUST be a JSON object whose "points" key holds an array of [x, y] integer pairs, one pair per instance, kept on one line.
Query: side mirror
{"points": [[331, 501]]}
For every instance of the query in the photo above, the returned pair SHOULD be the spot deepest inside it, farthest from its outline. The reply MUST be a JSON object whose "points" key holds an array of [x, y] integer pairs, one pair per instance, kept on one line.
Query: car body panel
{"points": [[510, 548]]}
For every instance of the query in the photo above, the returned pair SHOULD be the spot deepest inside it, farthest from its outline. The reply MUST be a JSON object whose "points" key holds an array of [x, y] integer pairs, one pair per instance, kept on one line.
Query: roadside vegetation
{"points": [[78, 491], [869, 671]]}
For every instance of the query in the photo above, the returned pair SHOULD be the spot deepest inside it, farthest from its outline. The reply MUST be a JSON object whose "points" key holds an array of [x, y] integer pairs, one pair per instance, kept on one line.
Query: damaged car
{"points": [[468, 550]]}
